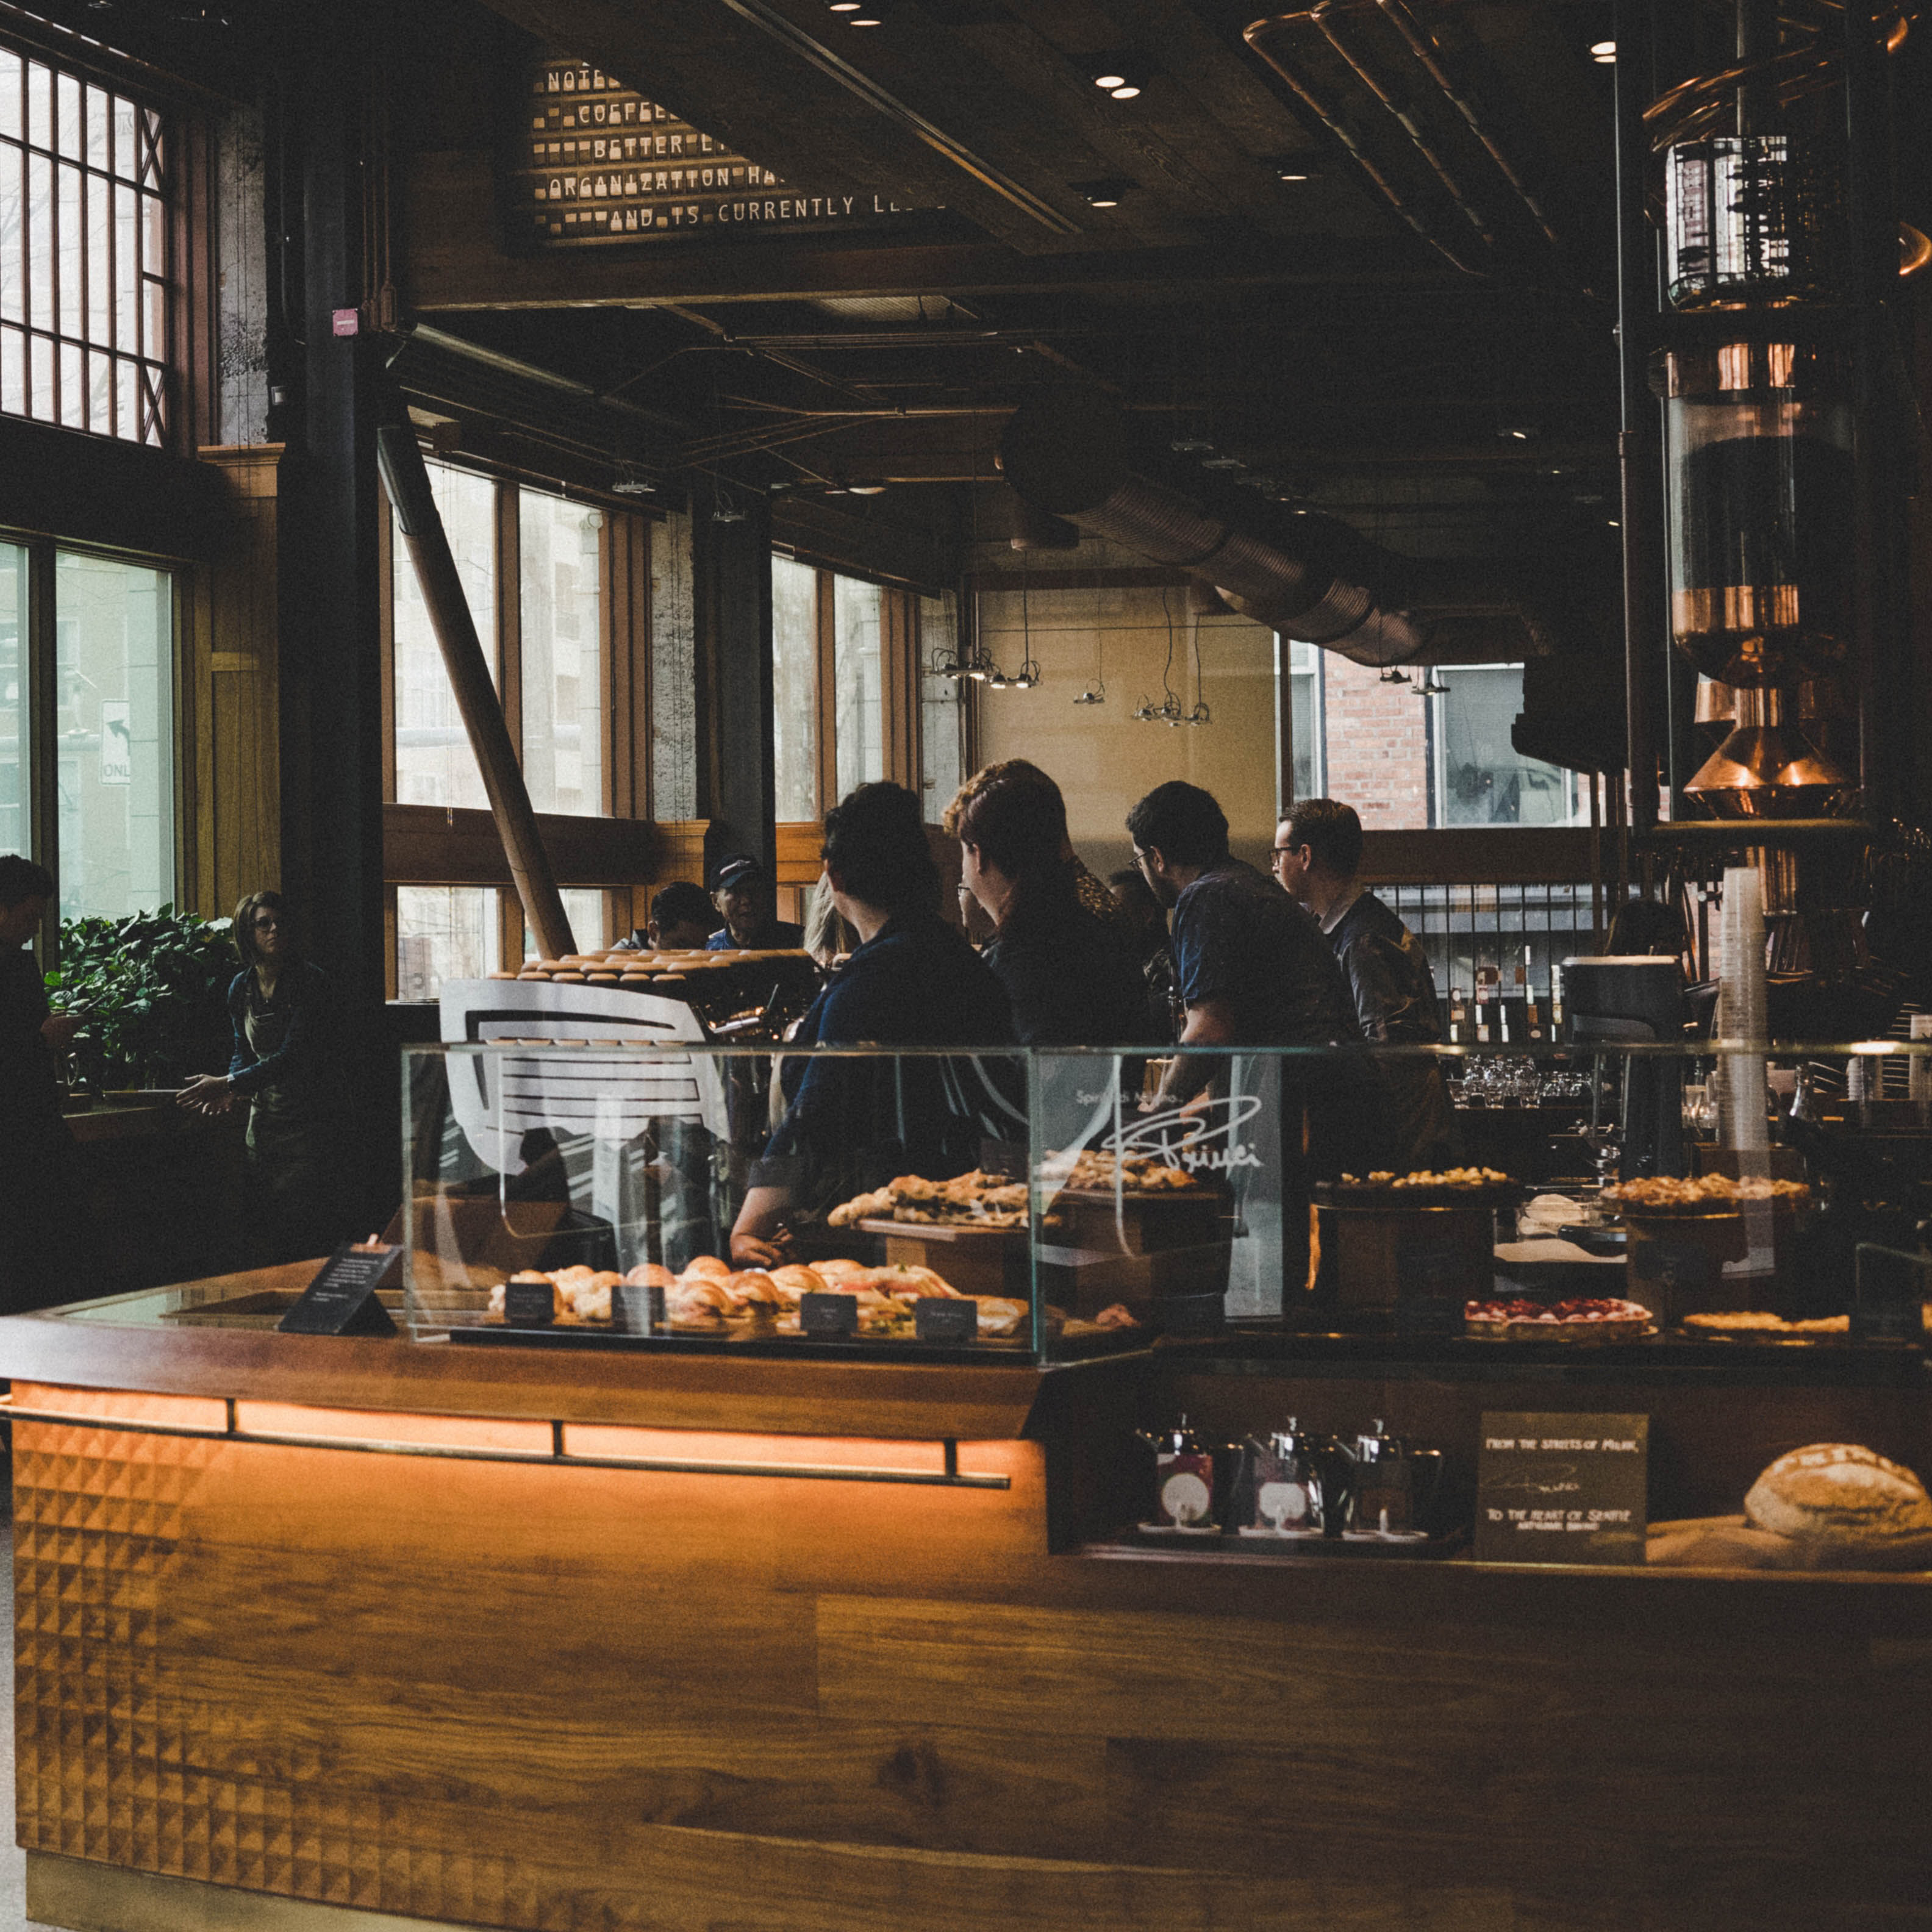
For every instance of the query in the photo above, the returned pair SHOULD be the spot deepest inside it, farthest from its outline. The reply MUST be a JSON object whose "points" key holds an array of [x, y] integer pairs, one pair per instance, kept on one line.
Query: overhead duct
{"points": [[1071, 455]]}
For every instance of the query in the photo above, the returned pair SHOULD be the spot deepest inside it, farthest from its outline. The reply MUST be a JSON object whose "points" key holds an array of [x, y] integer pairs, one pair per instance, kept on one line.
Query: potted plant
{"points": [[153, 988]]}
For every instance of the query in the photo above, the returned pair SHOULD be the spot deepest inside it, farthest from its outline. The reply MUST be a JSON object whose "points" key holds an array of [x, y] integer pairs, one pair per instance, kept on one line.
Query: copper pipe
{"points": [[1323, 20], [1422, 46], [1252, 35], [407, 481]]}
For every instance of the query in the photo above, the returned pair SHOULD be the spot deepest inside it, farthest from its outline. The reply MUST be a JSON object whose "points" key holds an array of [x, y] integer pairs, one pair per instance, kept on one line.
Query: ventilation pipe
{"points": [[1307, 575]]}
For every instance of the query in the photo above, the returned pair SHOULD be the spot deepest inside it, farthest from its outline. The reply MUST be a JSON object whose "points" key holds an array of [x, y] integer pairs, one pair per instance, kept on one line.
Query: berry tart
{"points": [[1605, 1320]]}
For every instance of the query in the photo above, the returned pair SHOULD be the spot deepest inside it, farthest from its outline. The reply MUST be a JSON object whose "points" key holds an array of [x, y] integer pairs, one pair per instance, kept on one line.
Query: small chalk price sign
{"points": [[937, 1319], [1562, 1489], [342, 1299], [829, 1317]]}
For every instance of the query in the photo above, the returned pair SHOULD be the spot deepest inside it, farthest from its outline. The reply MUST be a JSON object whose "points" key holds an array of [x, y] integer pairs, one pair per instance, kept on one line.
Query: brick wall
{"points": [[1377, 746]]}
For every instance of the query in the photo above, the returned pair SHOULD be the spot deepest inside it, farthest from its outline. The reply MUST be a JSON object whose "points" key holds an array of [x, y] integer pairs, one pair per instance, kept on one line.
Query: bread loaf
{"points": [[1847, 1507]]}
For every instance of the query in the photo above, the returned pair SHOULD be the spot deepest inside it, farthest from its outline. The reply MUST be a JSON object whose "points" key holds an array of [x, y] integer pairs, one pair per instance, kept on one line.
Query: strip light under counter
{"points": [[930, 1463]]}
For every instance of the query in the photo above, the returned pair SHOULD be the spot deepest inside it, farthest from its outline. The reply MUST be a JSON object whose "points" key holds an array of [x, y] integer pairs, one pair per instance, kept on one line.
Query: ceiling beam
{"points": [[455, 261]]}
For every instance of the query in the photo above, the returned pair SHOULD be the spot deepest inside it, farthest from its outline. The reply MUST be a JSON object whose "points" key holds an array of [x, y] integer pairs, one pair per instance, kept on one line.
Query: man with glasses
{"points": [[1317, 858]]}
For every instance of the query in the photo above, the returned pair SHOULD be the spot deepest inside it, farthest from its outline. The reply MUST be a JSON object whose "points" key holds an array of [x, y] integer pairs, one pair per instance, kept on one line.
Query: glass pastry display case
{"points": [[1055, 1205]]}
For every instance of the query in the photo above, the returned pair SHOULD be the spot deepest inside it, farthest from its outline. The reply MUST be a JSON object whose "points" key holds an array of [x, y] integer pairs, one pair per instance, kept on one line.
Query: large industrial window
{"points": [[87, 700], [559, 592], [1480, 778], [84, 254], [942, 715]]}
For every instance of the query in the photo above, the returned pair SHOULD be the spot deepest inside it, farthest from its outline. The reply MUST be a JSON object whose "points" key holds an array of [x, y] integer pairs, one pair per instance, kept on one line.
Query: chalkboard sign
{"points": [[341, 1300], [1562, 1489], [828, 1315], [596, 163], [937, 1318]]}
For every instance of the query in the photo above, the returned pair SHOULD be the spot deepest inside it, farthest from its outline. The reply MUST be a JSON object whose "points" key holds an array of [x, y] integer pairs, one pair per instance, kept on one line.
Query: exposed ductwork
{"points": [[1311, 576]]}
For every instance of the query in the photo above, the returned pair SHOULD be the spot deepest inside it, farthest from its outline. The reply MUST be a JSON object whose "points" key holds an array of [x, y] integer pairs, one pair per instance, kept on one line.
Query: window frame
{"points": [[190, 277], [624, 686], [1437, 753], [40, 699]]}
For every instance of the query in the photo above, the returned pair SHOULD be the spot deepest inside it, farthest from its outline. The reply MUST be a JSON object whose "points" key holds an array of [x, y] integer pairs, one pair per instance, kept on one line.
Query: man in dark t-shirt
{"points": [[1253, 971]]}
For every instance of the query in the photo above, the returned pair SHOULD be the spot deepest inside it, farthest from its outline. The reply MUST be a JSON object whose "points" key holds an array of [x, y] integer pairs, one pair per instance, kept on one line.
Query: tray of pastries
{"points": [[1384, 1190], [989, 1202], [711, 1297], [1585, 1319], [1708, 1194]]}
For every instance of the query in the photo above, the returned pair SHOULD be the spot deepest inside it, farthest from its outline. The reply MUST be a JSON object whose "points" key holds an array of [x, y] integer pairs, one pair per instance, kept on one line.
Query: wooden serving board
{"points": [[976, 1260]]}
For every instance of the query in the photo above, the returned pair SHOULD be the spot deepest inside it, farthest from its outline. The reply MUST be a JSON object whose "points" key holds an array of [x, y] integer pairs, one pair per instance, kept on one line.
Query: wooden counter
{"points": [[288, 1624]]}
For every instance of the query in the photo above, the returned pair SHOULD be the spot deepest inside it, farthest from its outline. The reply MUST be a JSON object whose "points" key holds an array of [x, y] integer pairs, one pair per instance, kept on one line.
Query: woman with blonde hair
{"points": [[286, 1066]]}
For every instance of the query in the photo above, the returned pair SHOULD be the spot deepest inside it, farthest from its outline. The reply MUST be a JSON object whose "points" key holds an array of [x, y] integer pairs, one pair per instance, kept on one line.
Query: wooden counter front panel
{"points": [[620, 1701]]}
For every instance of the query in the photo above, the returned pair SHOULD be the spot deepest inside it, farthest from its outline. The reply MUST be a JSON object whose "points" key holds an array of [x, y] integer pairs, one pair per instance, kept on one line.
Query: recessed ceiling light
{"points": [[847, 6], [1288, 176], [1102, 193], [1129, 93], [1603, 52], [1110, 80], [862, 20]]}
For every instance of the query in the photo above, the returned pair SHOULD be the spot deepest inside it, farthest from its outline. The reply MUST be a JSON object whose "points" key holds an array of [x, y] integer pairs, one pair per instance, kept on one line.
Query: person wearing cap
{"points": [[741, 889]]}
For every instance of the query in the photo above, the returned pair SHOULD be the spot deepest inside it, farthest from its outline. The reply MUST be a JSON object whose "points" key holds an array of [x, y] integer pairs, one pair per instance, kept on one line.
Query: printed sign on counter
{"points": [[1562, 1489], [342, 1299]]}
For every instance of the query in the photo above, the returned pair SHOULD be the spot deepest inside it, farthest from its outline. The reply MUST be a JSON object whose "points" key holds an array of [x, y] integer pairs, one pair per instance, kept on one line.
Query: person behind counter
{"points": [[1318, 857], [1091, 893], [38, 1217], [1147, 924], [1069, 977], [682, 920], [286, 1066], [741, 891], [1251, 966], [913, 981]]}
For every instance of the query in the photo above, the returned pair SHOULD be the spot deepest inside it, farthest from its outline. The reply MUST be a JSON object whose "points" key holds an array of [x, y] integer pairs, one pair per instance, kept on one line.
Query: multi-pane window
{"points": [[102, 668], [84, 271]]}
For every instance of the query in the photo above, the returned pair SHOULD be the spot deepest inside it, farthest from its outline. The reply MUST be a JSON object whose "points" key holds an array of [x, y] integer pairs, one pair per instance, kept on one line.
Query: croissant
{"points": [[651, 1274], [706, 1266]]}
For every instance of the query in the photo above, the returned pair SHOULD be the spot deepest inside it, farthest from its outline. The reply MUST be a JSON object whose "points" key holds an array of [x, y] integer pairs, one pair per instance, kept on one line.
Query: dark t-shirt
{"points": [[774, 936], [1242, 942], [1070, 978], [853, 1124]]}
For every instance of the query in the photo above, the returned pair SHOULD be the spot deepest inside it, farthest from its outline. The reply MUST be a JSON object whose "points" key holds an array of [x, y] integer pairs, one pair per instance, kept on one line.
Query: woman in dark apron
{"points": [[286, 1067]]}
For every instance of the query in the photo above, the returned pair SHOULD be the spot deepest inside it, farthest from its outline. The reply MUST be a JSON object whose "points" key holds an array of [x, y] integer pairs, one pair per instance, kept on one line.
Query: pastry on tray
{"points": [[976, 1199], [1755, 1321], [1708, 1194], [1605, 1319]]}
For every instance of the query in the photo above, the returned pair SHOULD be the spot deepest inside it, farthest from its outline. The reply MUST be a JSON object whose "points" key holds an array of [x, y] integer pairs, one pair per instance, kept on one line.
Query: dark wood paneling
{"points": [[532, 1697], [433, 844], [1531, 854]]}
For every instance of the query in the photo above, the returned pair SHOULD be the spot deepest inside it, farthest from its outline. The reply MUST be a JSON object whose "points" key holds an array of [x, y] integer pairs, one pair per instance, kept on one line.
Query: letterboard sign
{"points": [[1562, 1489], [341, 1300], [597, 163]]}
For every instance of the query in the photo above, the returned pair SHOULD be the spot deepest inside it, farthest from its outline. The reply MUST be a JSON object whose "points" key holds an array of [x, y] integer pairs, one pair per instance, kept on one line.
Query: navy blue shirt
{"points": [[1070, 979], [855, 1123], [1240, 940]]}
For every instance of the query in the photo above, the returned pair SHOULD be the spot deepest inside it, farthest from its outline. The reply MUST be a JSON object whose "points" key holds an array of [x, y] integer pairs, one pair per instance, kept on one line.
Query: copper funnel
{"points": [[1769, 770]]}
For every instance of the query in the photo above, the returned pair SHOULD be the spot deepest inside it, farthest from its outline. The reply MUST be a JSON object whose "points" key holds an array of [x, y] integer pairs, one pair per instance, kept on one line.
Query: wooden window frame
{"points": [[418, 853]]}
